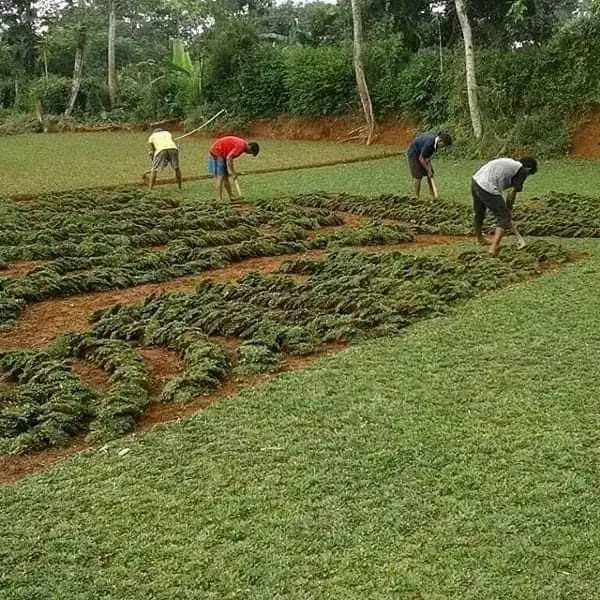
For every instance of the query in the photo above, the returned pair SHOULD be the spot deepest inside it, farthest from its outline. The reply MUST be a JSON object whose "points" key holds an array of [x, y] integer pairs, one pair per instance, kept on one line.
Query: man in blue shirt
{"points": [[419, 154]]}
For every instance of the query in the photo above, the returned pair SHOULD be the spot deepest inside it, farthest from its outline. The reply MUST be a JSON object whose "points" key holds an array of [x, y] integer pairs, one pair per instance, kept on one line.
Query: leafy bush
{"points": [[53, 93], [320, 81]]}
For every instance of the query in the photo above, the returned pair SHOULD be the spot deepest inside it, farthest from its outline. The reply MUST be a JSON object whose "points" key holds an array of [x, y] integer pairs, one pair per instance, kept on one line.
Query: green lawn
{"points": [[36, 163], [458, 461], [391, 176]]}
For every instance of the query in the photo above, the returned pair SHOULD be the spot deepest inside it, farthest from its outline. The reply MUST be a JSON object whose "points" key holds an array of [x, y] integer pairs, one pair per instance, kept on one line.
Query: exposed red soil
{"points": [[41, 322], [230, 344], [242, 209], [585, 134], [20, 268], [350, 220], [553, 266], [421, 241], [163, 365], [13, 468], [90, 374], [344, 128]]}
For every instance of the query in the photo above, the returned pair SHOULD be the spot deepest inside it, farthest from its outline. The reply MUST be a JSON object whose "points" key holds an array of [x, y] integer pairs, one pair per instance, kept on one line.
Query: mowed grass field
{"points": [[40, 163], [457, 461]]}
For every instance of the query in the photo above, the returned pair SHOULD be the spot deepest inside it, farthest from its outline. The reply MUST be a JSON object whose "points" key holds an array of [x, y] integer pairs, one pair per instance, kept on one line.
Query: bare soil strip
{"points": [[20, 268], [163, 365], [90, 374]]}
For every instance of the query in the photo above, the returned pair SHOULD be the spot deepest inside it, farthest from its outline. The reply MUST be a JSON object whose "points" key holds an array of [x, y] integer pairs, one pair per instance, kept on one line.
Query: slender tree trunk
{"points": [[112, 69], [470, 66], [361, 82], [77, 75]]}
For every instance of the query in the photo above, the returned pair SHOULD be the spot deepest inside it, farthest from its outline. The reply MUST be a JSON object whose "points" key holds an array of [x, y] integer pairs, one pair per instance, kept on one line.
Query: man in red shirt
{"points": [[220, 161]]}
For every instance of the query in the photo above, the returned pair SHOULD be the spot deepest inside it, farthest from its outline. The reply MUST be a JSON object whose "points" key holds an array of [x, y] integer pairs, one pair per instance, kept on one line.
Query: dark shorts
{"points": [[417, 170], [165, 158], [217, 166], [484, 201]]}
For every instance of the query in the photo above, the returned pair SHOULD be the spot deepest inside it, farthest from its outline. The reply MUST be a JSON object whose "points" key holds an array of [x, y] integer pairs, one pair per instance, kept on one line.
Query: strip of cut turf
{"points": [[457, 461]]}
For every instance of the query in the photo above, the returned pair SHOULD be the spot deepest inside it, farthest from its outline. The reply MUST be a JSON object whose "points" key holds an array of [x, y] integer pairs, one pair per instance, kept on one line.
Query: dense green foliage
{"points": [[535, 64]]}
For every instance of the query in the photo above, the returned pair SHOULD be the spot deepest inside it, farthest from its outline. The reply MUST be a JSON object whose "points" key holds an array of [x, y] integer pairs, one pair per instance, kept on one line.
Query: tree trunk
{"points": [[363, 90], [112, 69], [470, 66], [77, 74]]}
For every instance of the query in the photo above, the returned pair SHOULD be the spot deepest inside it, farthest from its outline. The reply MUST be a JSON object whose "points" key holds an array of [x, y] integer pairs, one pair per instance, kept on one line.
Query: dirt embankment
{"points": [[339, 129], [585, 134]]}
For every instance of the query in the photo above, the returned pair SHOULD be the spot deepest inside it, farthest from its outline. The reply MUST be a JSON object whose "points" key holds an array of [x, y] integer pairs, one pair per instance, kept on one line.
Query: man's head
{"points": [[444, 139], [253, 148], [156, 129], [530, 164]]}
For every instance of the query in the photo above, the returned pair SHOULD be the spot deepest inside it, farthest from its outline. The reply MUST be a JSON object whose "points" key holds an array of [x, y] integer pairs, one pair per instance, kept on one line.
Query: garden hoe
{"points": [[433, 187], [521, 243]]}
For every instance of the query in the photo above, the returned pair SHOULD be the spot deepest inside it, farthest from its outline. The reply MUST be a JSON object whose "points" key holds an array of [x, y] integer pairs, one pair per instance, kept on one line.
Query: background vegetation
{"points": [[536, 60]]}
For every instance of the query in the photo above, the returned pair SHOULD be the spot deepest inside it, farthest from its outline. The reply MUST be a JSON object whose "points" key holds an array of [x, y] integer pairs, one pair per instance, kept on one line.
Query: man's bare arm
{"points": [[426, 165]]}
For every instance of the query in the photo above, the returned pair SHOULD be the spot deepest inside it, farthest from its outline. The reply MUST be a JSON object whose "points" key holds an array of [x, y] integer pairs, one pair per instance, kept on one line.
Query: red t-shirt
{"points": [[229, 146]]}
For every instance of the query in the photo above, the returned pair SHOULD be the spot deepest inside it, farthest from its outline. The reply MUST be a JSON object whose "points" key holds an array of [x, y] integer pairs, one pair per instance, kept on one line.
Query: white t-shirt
{"points": [[497, 175]]}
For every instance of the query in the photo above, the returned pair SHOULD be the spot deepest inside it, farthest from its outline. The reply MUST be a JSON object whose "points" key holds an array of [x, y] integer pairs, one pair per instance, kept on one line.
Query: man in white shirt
{"points": [[487, 187]]}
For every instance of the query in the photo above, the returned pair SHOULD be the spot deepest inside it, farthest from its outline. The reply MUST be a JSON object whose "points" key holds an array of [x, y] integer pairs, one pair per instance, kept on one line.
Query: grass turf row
{"points": [[98, 241], [348, 296]]}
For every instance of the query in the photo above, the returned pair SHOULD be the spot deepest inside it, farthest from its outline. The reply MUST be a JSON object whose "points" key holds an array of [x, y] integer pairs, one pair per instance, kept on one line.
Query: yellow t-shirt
{"points": [[162, 140]]}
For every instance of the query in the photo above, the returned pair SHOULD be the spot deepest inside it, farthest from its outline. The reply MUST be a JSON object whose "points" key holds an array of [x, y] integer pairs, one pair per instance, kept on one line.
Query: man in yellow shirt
{"points": [[163, 152]]}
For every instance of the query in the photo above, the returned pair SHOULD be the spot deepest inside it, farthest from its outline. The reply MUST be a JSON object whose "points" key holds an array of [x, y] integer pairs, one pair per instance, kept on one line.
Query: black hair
{"points": [[445, 138], [530, 164], [253, 148]]}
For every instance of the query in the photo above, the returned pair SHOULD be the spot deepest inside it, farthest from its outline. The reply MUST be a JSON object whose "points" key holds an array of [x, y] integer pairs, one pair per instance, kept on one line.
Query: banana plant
{"points": [[191, 71]]}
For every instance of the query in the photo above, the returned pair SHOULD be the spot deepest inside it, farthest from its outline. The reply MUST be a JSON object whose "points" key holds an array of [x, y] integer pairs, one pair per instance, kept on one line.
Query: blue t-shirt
{"points": [[423, 145]]}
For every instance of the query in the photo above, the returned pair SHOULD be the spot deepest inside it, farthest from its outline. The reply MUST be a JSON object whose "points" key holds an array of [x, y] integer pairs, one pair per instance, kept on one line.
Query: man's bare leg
{"points": [[495, 247], [152, 180], [430, 186], [178, 176], [481, 239], [227, 185], [218, 187], [417, 187]]}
